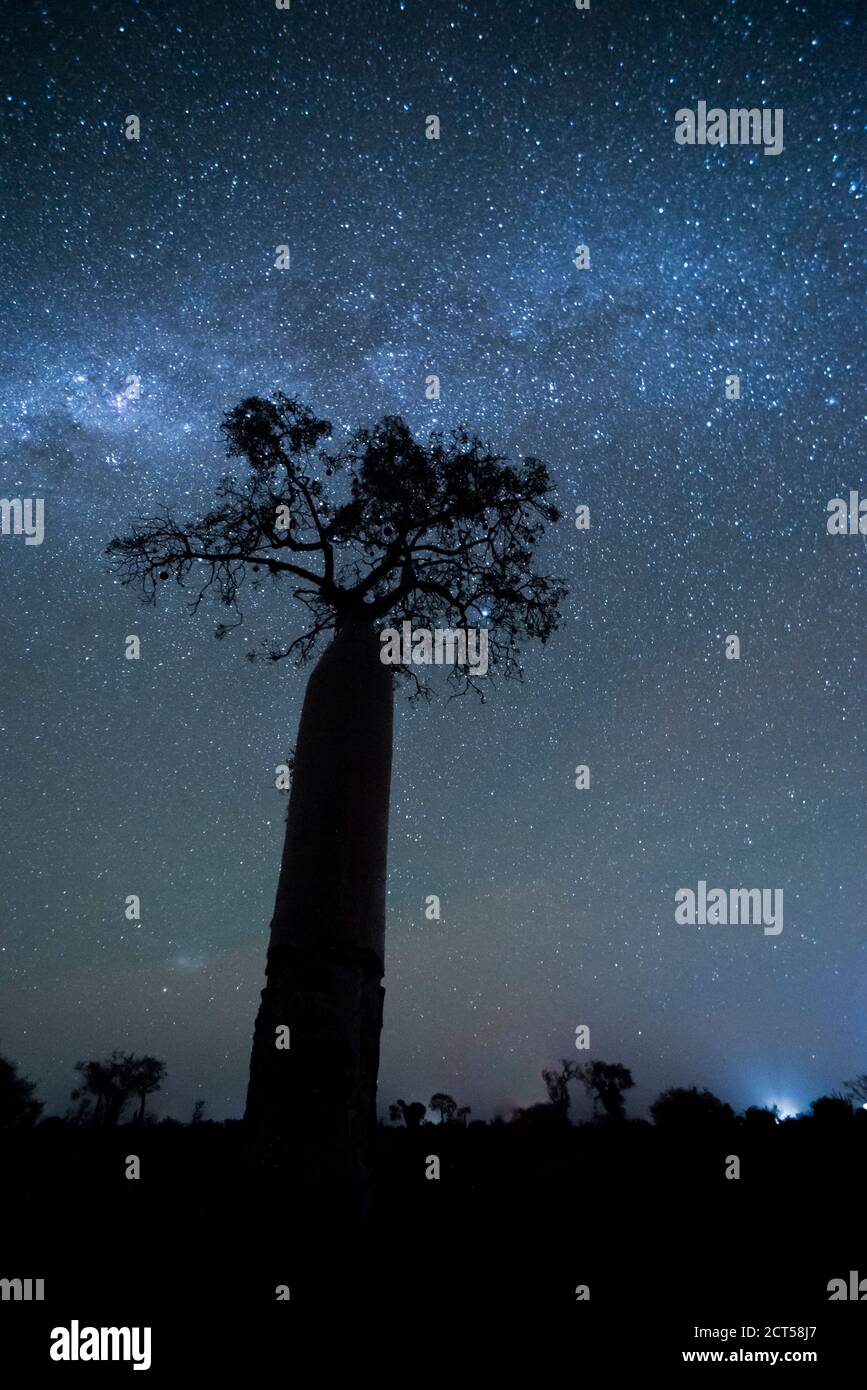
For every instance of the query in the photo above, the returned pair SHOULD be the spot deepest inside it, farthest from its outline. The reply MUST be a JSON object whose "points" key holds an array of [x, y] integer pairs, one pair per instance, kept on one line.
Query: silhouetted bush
{"points": [[689, 1108], [832, 1110], [19, 1108]]}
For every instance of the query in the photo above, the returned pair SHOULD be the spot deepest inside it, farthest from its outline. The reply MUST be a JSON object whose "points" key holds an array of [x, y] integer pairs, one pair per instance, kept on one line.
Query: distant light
{"points": [[785, 1109]]}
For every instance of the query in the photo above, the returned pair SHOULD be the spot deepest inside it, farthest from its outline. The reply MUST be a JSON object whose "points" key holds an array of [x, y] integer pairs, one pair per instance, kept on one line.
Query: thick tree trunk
{"points": [[311, 1109]]}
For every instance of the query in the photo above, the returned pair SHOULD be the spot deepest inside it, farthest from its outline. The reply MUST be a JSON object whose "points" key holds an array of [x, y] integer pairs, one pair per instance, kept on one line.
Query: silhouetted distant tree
{"points": [[19, 1108], [439, 534], [412, 1114], [683, 1107], [198, 1112], [832, 1110], [462, 1113], [444, 1104], [555, 1113], [606, 1083], [557, 1084], [149, 1076], [760, 1118], [857, 1090], [107, 1087], [103, 1092]]}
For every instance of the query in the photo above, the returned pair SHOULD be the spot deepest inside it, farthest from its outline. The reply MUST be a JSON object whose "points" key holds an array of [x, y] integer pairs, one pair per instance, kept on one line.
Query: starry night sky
{"points": [[409, 256]]}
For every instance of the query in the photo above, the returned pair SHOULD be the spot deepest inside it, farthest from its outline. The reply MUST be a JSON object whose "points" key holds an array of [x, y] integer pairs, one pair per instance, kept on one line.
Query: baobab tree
{"points": [[436, 534]]}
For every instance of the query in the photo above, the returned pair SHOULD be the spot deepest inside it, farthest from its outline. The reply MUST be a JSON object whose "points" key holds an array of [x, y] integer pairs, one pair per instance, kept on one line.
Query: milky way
{"points": [[410, 257]]}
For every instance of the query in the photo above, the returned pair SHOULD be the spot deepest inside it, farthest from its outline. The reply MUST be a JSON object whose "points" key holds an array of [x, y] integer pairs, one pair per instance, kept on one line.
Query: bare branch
{"points": [[442, 532]]}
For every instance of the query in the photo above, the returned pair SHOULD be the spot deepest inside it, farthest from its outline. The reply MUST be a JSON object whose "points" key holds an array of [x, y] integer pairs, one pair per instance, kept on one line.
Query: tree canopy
{"points": [[606, 1083], [441, 533], [107, 1087]]}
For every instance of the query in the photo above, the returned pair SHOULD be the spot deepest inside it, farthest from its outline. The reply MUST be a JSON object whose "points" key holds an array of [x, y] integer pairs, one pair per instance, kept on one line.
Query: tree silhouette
{"points": [[857, 1090], [19, 1108], [107, 1087], [444, 1104], [832, 1110], [554, 1113], [760, 1119], [433, 534], [683, 1107], [149, 1076], [606, 1083], [557, 1085], [412, 1114]]}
